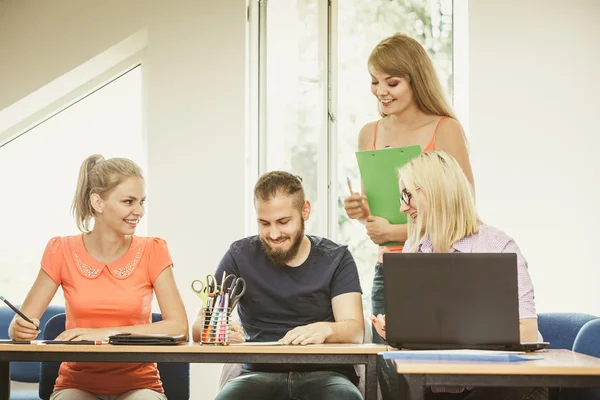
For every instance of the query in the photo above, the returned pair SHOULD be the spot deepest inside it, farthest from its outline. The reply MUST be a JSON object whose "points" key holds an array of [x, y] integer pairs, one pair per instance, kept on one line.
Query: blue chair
{"points": [[561, 329], [28, 372], [175, 376], [572, 331], [586, 342], [588, 339]]}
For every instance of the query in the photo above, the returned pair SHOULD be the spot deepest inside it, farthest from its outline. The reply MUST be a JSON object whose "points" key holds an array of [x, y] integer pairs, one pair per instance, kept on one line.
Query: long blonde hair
{"points": [[402, 56], [451, 212], [99, 176]]}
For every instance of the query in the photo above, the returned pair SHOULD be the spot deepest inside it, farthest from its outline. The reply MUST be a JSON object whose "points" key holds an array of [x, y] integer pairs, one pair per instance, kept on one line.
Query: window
{"points": [[362, 24], [315, 95], [293, 93], [40, 169]]}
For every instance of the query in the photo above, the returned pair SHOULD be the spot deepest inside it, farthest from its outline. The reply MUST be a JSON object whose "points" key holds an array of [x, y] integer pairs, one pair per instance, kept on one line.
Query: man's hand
{"points": [[236, 333], [315, 333], [378, 229], [379, 324], [78, 334]]}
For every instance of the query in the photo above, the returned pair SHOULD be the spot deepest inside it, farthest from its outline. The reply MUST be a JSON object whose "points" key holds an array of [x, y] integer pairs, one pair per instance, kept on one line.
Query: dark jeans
{"points": [[386, 373], [317, 385], [491, 393]]}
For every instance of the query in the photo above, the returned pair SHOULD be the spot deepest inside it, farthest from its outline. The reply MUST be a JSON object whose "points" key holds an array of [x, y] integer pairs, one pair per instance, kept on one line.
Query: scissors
{"points": [[207, 287], [236, 289]]}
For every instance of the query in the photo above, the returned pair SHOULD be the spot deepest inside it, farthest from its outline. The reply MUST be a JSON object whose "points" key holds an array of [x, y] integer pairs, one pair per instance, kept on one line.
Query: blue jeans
{"points": [[386, 373], [316, 385]]}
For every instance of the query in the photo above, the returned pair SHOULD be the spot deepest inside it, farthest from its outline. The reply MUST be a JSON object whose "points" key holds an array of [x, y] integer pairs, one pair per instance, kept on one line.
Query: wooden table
{"points": [[195, 353], [559, 368]]}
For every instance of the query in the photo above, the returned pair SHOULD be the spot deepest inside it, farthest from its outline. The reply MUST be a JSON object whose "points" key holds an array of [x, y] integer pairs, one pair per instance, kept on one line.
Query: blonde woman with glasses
{"points": [[439, 202], [413, 111]]}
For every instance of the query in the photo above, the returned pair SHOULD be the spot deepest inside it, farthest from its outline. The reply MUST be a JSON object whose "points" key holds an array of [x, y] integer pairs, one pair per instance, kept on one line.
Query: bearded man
{"points": [[300, 289]]}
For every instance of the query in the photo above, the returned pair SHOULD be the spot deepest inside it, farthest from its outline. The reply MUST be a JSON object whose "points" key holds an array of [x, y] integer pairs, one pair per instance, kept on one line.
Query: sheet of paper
{"points": [[458, 351], [460, 355], [257, 344]]}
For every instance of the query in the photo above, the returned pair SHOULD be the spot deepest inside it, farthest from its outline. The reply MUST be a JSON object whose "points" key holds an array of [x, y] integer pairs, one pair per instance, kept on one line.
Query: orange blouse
{"points": [[101, 295]]}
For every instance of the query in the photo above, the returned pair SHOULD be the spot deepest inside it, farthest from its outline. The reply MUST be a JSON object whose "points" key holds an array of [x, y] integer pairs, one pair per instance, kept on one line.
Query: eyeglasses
{"points": [[406, 196]]}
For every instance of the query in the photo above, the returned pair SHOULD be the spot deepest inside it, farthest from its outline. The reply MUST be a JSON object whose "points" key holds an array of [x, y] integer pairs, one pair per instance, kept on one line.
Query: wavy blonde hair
{"points": [[100, 176], [402, 56], [451, 212]]}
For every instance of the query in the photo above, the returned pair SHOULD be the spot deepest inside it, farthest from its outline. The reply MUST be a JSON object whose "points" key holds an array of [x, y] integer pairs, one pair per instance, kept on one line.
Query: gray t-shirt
{"points": [[279, 299]]}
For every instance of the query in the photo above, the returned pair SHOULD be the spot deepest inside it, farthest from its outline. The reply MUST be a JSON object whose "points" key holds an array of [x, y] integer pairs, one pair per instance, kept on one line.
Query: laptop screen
{"points": [[451, 299]]}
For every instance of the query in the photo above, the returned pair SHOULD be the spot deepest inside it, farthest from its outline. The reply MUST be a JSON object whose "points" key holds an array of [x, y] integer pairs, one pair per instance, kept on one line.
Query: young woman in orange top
{"points": [[108, 276], [414, 112]]}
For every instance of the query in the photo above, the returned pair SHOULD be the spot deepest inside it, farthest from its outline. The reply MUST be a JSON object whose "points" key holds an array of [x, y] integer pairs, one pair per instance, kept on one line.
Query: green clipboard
{"points": [[379, 174]]}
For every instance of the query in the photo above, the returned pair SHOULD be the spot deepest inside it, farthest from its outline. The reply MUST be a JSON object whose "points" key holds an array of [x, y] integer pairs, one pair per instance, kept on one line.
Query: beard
{"points": [[281, 257]]}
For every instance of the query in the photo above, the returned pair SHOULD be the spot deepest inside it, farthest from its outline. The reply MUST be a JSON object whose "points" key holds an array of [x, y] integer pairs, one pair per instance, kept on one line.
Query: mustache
{"points": [[279, 239]]}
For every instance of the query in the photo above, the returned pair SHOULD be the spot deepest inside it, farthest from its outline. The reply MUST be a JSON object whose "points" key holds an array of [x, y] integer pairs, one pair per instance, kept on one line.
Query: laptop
{"points": [[438, 301]]}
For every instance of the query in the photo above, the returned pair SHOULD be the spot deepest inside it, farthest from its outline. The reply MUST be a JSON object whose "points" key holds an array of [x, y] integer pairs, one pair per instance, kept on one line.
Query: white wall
{"points": [[534, 96], [194, 90]]}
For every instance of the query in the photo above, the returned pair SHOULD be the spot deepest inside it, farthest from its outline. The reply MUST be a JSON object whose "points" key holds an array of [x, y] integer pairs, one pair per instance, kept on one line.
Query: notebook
{"points": [[146, 339]]}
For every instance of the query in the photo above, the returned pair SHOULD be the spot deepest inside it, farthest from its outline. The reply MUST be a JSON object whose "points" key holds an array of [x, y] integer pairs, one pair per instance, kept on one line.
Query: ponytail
{"points": [[82, 208]]}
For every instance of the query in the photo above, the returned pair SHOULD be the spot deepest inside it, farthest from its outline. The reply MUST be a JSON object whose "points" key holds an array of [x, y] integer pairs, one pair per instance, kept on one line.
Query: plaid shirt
{"points": [[490, 240]]}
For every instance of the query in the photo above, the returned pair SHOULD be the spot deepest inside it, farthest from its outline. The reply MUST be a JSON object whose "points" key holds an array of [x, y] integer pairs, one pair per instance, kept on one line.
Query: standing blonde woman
{"points": [[439, 202], [108, 276], [414, 111]]}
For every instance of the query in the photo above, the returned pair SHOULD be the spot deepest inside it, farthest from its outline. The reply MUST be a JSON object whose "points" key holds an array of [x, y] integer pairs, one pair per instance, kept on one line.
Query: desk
{"points": [[195, 353], [559, 368]]}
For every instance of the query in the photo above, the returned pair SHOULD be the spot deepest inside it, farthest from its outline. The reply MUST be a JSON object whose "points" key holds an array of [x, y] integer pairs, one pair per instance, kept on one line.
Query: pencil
{"points": [[349, 182], [15, 310]]}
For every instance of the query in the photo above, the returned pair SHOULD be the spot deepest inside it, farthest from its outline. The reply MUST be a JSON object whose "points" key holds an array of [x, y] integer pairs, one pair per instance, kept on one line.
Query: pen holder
{"points": [[215, 325]]}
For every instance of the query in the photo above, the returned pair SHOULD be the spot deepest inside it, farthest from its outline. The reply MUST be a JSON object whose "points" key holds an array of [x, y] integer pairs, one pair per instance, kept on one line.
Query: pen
{"points": [[17, 311], [8, 341], [215, 320], [222, 317], [72, 342], [349, 182], [224, 323]]}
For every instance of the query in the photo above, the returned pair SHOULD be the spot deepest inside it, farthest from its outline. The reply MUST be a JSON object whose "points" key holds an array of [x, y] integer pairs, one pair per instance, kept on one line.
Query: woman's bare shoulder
{"points": [[451, 125], [365, 136]]}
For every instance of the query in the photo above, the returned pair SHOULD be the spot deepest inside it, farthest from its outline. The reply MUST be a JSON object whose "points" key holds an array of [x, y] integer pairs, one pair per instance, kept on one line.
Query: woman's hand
{"points": [[78, 334], [378, 229], [356, 206], [33, 306], [20, 329], [379, 324]]}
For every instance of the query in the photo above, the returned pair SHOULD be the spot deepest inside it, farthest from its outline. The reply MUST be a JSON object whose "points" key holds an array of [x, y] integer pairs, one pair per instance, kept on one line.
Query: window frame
{"points": [[75, 85], [328, 64]]}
